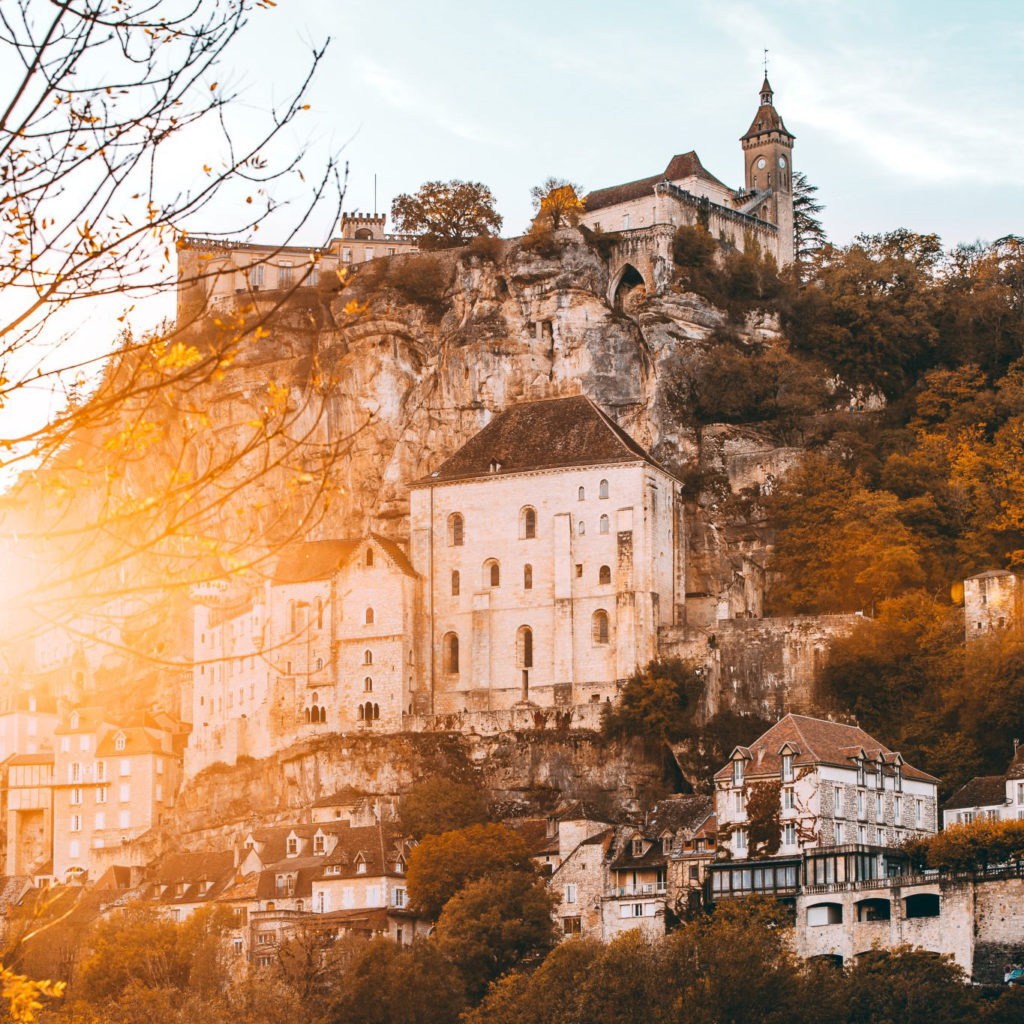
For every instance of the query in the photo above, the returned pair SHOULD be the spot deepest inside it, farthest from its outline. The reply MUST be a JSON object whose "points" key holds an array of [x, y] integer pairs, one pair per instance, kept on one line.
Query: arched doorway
{"points": [[627, 288]]}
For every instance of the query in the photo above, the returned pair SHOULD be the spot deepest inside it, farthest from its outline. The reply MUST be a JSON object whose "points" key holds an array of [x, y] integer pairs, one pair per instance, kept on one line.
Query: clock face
{"points": [[762, 163], [782, 161]]}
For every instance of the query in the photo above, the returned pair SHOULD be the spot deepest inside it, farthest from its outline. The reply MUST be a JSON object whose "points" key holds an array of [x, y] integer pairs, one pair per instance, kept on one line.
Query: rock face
{"points": [[405, 383]]}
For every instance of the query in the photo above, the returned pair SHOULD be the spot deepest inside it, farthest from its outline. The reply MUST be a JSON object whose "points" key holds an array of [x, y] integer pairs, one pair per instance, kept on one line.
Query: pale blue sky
{"points": [[906, 113]]}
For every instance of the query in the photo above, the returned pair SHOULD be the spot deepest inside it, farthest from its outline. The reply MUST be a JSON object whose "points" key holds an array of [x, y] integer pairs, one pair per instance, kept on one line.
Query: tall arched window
{"points": [[323, 714], [450, 648], [376, 711], [599, 626], [456, 530], [604, 574], [367, 657], [369, 617], [367, 685], [492, 573], [581, 494], [319, 664], [581, 528], [605, 525], [307, 716], [527, 577], [524, 647], [362, 712], [603, 489], [455, 582], [369, 558], [528, 523]]}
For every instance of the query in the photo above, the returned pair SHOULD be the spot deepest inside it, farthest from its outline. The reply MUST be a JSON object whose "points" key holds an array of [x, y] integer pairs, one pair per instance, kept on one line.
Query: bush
{"points": [[541, 241], [489, 248], [658, 703], [437, 805], [419, 279]]}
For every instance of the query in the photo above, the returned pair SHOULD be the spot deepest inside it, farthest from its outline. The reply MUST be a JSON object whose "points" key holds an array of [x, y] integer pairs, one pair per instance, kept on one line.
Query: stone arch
{"points": [[622, 283]]}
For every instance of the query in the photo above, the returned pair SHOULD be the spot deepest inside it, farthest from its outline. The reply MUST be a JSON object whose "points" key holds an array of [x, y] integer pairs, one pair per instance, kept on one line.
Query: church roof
{"points": [[767, 119], [557, 433], [682, 165]]}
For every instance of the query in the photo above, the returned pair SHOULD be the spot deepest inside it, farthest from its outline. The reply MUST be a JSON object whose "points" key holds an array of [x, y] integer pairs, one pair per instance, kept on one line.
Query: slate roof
{"points": [[679, 814], [981, 791], [273, 840], [534, 832], [374, 845], [343, 798], [137, 741], [319, 559], [43, 757], [682, 165], [816, 741], [1016, 769], [767, 119], [555, 433], [991, 574]]}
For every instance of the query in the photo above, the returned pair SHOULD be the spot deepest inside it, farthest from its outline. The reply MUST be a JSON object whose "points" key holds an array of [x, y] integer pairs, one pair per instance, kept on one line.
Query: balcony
{"points": [[643, 889]]}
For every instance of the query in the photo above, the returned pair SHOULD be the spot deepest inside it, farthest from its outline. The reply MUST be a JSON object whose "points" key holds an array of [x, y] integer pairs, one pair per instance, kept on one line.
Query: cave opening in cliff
{"points": [[630, 280]]}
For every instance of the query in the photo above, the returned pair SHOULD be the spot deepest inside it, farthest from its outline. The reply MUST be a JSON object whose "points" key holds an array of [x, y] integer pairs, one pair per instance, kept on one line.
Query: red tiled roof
{"points": [[815, 741], [551, 434], [682, 165], [981, 791], [319, 559]]}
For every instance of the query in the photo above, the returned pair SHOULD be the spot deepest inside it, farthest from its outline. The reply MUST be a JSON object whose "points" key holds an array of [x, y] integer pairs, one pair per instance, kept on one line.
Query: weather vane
{"points": [[766, 62]]}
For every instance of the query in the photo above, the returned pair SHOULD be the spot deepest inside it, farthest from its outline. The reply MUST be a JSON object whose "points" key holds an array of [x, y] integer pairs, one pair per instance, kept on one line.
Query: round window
{"points": [[762, 163]]}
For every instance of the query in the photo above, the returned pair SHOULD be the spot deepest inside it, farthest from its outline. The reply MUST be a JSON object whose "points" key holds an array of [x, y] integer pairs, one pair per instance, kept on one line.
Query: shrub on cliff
{"points": [[436, 804], [419, 279], [659, 702]]}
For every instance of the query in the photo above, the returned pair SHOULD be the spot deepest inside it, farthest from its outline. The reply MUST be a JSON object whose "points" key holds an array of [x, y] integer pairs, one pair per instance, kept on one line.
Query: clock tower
{"points": [[767, 160]]}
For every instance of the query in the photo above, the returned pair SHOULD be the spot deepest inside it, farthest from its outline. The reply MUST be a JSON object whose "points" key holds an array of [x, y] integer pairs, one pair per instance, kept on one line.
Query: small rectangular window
{"points": [[570, 893]]}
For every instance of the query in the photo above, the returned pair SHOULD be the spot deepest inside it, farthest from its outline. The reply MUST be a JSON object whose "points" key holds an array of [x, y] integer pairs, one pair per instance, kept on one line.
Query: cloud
{"points": [[414, 100]]}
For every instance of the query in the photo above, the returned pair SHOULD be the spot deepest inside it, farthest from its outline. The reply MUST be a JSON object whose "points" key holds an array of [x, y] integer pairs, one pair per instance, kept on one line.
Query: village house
{"points": [[547, 550], [114, 779], [995, 797], [324, 645], [837, 786], [178, 884]]}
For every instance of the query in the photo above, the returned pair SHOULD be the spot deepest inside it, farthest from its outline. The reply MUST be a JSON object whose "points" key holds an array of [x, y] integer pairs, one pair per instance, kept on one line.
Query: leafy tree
{"points": [[970, 847], [808, 235], [438, 804], [555, 202], [389, 984], [493, 924], [659, 702], [442, 865], [447, 213]]}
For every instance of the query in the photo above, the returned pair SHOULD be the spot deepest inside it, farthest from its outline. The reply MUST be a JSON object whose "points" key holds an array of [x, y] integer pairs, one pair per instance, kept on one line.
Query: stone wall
{"points": [[764, 666]]}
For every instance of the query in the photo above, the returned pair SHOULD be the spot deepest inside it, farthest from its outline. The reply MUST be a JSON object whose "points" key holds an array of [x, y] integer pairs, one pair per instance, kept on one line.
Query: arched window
{"points": [[604, 574], [455, 582], [492, 573], [308, 719], [581, 528], [602, 491], [376, 711], [361, 712], [450, 647], [581, 494], [369, 557], [369, 617], [323, 714], [367, 657], [599, 626], [524, 647], [367, 685], [527, 577], [605, 525], [456, 530], [319, 664], [528, 523]]}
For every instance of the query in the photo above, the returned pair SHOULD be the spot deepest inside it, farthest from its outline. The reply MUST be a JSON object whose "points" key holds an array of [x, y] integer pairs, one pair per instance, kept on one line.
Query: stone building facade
{"points": [[324, 645], [685, 193], [993, 600], [839, 786], [548, 553]]}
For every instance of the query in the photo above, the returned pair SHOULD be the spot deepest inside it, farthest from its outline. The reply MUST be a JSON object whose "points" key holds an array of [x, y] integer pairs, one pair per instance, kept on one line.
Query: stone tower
{"points": [[767, 159]]}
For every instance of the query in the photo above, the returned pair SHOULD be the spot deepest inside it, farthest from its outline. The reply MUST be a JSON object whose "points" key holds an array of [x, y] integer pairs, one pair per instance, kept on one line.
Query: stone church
{"points": [[686, 193]]}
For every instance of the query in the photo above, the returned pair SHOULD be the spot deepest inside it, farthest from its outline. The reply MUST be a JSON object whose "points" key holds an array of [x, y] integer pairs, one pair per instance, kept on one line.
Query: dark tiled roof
{"points": [[767, 119], [981, 791], [815, 741], [343, 798], [376, 846], [991, 574], [1016, 769], [680, 814], [534, 832], [137, 741], [552, 434], [395, 553], [312, 560], [682, 165], [44, 757]]}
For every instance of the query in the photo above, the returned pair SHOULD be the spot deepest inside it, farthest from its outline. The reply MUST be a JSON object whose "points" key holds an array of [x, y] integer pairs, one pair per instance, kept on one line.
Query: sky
{"points": [[906, 114]]}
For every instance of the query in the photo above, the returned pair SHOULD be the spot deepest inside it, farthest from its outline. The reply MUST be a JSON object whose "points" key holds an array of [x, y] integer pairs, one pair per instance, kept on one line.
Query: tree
{"points": [[445, 214], [493, 924], [764, 817], [117, 135], [441, 865], [659, 702], [437, 804], [808, 235], [555, 202]]}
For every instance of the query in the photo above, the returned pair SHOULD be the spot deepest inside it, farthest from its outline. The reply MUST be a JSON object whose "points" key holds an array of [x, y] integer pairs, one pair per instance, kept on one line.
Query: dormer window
{"points": [[120, 741], [74, 719], [638, 847], [495, 466], [861, 777], [666, 845], [787, 767], [737, 772], [897, 777], [292, 846], [361, 868], [318, 844]]}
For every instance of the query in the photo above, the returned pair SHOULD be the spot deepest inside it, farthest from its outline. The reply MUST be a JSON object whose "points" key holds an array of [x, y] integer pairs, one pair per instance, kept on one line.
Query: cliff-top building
{"points": [[686, 193], [547, 549]]}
